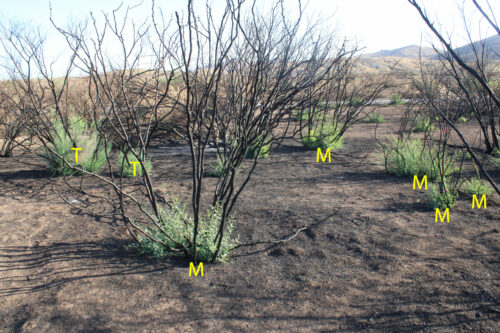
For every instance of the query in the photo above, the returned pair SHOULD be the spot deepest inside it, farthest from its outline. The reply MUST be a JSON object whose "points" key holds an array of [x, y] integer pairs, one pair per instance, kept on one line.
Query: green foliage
{"points": [[209, 228], [422, 124], [92, 155], [375, 117], [462, 119], [409, 158], [496, 162], [218, 167], [476, 186], [256, 145], [326, 137], [177, 222], [303, 115], [495, 158], [463, 155], [494, 83], [441, 197], [357, 102], [126, 169], [396, 99]]}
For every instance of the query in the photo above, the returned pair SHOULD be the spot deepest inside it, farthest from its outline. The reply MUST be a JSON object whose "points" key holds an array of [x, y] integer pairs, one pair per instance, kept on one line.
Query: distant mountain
{"points": [[411, 51], [491, 45]]}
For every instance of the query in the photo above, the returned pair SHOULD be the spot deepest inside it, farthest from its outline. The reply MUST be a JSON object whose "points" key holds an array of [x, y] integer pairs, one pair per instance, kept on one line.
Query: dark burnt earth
{"points": [[372, 258]]}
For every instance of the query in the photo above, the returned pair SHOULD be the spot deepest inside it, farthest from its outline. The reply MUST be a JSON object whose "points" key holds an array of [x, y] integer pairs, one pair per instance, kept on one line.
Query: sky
{"points": [[375, 24]]}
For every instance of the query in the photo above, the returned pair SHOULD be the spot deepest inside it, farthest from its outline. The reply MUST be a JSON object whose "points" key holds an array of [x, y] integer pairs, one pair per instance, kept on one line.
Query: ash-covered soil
{"points": [[372, 258]]}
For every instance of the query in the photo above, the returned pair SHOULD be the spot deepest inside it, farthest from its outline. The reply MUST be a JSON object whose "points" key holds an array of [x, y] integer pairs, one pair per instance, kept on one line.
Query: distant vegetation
{"points": [[324, 137], [259, 148], [476, 186], [125, 166], [375, 117], [422, 124], [410, 157], [396, 99]]}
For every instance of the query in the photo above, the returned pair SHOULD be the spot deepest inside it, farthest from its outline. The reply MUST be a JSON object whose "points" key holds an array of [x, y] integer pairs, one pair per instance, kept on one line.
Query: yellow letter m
{"points": [[446, 214], [479, 204], [323, 158], [424, 182], [195, 271]]}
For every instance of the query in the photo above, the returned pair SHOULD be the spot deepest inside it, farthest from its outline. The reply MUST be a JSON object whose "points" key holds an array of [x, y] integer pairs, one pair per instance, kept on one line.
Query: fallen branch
{"points": [[293, 234], [283, 240]]}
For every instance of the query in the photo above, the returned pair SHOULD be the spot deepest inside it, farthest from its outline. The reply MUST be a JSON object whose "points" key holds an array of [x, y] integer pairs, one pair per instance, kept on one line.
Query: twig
{"points": [[283, 240], [296, 233]]}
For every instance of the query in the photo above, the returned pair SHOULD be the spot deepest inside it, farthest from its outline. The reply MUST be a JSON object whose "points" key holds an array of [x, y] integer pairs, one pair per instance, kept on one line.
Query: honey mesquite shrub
{"points": [[441, 195], [396, 99], [305, 115], [178, 223], [495, 158], [376, 118], [324, 136], [217, 167], [410, 157], [476, 186], [221, 166], [259, 147], [422, 124], [91, 157]]}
